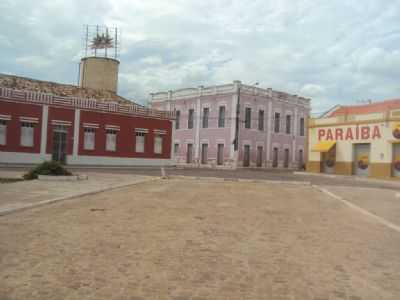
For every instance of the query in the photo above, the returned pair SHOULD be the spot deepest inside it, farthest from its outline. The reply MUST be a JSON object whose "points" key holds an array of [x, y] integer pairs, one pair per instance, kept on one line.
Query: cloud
{"points": [[332, 51]]}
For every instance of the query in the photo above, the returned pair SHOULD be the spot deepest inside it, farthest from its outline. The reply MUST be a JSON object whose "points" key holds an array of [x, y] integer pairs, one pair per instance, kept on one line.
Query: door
{"points": [[329, 161], [286, 159], [204, 154], [361, 159], [259, 156], [59, 145], [189, 153], [301, 159], [396, 160], [246, 156], [220, 154], [275, 158]]}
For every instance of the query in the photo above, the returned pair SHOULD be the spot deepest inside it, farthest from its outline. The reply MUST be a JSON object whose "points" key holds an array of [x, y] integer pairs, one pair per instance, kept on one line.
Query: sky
{"points": [[334, 52]]}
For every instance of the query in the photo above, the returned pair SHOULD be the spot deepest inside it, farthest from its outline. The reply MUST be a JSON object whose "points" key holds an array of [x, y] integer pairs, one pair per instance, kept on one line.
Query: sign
{"points": [[350, 133], [396, 130]]}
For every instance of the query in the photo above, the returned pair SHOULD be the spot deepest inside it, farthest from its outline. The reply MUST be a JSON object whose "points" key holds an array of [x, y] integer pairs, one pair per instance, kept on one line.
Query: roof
{"points": [[376, 107], [59, 89]]}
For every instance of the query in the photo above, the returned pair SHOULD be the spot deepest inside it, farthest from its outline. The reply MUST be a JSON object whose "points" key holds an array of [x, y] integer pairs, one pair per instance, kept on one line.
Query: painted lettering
{"points": [[349, 134], [329, 135], [339, 134], [376, 133], [365, 132], [321, 134]]}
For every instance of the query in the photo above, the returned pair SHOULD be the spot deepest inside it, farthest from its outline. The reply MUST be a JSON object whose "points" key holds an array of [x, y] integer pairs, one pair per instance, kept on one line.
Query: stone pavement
{"points": [[26, 194], [184, 239]]}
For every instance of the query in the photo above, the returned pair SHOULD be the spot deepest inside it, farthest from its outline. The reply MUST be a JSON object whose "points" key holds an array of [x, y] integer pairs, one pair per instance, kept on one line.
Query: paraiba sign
{"points": [[364, 132]]}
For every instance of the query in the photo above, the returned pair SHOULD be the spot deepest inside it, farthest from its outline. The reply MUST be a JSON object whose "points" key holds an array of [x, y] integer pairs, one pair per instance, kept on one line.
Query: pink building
{"points": [[268, 130]]}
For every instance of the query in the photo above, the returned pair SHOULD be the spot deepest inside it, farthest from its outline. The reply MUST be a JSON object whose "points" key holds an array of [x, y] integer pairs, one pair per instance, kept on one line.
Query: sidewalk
{"points": [[393, 181], [26, 194]]}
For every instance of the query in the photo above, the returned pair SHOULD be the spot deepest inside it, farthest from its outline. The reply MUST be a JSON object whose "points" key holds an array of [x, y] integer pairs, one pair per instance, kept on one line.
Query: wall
{"points": [[99, 73]]}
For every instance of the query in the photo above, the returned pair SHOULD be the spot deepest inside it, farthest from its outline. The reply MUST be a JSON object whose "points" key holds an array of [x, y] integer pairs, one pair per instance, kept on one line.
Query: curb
{"points": [[59, 199], [221, 179]]}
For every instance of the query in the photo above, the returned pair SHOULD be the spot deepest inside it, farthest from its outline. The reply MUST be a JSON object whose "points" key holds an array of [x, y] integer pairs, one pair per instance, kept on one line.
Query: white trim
{"points": [[204, 141], [116, 161], [43, 134], [160, 131], [29, 119], [90, 125], [77, 120], [220, 141], [247, 142], [142, 130], [177, 141], [61, 122], [5, 117], [112, 127], [189, 141], [270, 128]]}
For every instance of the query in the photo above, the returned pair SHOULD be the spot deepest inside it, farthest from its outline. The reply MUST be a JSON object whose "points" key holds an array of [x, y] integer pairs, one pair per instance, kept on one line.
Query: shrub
{"points": [[47, 168]]}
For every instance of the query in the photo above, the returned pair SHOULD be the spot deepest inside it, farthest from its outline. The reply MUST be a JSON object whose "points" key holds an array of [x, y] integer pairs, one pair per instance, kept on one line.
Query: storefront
{"points": [[359, 140]]}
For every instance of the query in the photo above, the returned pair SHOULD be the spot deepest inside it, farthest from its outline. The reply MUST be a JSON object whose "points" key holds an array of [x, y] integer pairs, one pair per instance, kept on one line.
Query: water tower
{"points": [[98, 69]]}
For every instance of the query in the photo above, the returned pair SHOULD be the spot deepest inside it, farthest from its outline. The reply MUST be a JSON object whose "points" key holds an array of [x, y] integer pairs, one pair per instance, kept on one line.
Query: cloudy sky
{"points": [[341, 51]]}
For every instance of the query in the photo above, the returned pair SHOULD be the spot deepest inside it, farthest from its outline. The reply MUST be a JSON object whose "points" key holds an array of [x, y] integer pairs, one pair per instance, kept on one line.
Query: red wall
{"points": [[126, 135], [60, 114], [17, 110]]}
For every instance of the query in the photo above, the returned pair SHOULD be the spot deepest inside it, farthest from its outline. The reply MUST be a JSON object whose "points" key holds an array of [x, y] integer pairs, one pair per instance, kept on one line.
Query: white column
{"points": [[172, 139], [77, 121], [235, 98], [43, 136], [197, 126], [269, 128], [295, 133]]}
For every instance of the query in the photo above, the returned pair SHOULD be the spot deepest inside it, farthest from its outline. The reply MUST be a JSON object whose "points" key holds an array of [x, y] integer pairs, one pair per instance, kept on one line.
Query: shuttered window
{"points": [[158, 140], [27, 130], [3, 132], [140, 139], [111, 140], [221, 117], [89, 138]]}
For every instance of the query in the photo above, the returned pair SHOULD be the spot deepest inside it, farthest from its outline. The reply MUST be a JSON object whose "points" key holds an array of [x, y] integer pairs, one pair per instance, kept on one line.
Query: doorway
{"points": [[246, 156], [286, 159], [396, 160], [59, 144], [220, 155], [259, 156], [275, 158], [361, 159], [189, 153], [204, 154]]}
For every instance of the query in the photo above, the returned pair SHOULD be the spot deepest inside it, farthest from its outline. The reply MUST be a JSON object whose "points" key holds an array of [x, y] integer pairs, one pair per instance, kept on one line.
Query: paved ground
{"points": [[199, 239], [27, 193]]}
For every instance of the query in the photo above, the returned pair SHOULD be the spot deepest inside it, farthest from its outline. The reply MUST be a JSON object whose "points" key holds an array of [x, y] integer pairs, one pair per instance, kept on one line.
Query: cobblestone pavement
{"points": [[197, 239], [33, 192]]}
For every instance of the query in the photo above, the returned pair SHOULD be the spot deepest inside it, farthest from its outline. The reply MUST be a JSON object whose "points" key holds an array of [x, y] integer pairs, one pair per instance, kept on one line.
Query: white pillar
{"points": [[43, 137], [270, 127], [295, 120], [197, 126], [77, 121]]}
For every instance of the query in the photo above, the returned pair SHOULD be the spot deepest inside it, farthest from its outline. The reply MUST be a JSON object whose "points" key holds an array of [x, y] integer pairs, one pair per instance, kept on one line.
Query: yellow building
{"points": [[359, 140]]}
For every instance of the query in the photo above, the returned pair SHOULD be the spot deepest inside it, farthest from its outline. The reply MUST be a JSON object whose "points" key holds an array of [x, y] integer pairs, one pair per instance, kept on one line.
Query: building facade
{"points": [[361, 140], [35, 127], [236, 125]]}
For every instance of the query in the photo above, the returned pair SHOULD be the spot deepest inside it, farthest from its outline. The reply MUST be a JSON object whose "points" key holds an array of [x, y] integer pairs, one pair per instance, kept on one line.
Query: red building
{"points": [[37, 126]]}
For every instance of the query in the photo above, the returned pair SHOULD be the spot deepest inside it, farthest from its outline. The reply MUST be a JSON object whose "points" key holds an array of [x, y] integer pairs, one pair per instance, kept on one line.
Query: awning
{"points": [[323, 146]]}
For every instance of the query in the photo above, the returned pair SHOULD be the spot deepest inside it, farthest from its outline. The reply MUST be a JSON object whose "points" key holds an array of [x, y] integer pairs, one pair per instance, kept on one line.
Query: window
{"points": [[89, 138], [178, 119], [277, 122], [206, 112], [260, 120], [190, 119], [189, 153], [27, 134], [301, 126], [111, 140], [3, 132], [288, 123], [140, 140], [204, 154], [247, 121], [221, 117], [176, 149], [158, 141]]}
